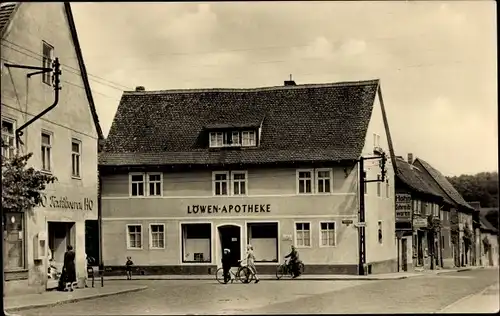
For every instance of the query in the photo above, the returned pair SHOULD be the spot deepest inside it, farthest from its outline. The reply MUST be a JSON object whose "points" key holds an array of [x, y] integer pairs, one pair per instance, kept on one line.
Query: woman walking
{"points": [[69, 272], [251, 262]]}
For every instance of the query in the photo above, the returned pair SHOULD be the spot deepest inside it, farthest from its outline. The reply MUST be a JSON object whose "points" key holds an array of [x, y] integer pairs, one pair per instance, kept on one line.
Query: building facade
{"points": [[460, 216], [63, 141], [224, 168]]}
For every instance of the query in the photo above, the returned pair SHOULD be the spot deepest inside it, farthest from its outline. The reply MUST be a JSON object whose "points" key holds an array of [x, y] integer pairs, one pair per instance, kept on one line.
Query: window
{"points": [[216, 139], [303, 234], [248, 138], [387, 188], [220, 181], [264, 239], [380, 232], [196, 243], [239, 182], [235, 139], [8, 138], [157, 236], [134, 235], [137, 184], [155, 181], [376, 140], [75, 157], [324, 180], [327, 231], [48, 56], [46, 151], [378, 185], [304, 181], [14, 243]]}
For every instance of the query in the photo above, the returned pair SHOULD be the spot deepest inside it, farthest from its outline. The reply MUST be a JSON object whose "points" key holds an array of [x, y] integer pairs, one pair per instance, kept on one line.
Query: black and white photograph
{"points": [[249, 157]]}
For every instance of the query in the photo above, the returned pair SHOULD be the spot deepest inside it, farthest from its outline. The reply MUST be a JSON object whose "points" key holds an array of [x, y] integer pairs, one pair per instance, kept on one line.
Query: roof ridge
{"points": [[271, 88]]}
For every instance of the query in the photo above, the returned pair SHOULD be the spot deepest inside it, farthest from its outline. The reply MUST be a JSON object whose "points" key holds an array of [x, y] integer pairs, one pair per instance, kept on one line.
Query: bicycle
{"points": [[243, 274], [286, 269]]}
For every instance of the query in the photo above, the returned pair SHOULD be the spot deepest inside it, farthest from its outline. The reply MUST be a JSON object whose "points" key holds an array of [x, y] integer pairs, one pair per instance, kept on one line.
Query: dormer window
{"points": [[233, 139]]}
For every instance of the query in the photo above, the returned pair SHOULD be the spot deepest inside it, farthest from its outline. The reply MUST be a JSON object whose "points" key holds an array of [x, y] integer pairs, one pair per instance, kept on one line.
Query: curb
{"points": [[269, 279], [463, 299], [73, 300]]}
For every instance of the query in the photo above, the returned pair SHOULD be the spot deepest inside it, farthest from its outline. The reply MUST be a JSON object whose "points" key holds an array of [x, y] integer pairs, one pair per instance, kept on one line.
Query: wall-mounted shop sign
{"points": [[63, 202], [245, 208], [403, 207], [347, 222], [419, 222]]}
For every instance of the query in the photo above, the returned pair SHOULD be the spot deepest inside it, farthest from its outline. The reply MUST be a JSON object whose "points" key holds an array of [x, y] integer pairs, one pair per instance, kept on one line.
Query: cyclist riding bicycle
{"points": [[293, 262]]}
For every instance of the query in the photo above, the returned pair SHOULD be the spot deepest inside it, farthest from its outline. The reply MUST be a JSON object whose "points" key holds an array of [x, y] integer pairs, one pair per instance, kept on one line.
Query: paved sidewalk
{"points": [[308, 277], [51, 298], [486, 301]]}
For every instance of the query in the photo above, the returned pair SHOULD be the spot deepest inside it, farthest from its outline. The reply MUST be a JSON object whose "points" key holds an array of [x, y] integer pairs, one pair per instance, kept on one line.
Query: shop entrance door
{"points": [[404, 254], [230, 238], [60, 235]]}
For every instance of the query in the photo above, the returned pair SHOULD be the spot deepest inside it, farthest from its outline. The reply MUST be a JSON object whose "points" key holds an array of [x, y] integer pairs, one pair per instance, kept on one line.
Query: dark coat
{"points": [[226, 260], [69, 266]]}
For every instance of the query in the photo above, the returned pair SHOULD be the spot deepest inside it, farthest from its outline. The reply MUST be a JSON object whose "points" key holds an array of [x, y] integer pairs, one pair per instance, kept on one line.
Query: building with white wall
{"points": [[186, 173], [64, 141]]}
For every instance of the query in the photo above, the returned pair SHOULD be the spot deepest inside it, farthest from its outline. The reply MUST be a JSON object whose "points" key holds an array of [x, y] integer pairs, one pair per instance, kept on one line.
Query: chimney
{"points": [[290, 82], [410, 158], [140, 88]]}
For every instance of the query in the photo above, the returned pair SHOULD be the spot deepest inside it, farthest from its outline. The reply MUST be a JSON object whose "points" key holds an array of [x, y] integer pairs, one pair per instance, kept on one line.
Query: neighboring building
{"points": [[63, 141], [476, 229], [186, 173], [418, 207], [489, 239], [460, 213]]}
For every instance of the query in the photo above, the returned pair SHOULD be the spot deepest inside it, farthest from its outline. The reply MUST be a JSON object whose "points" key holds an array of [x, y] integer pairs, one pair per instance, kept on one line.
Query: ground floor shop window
{"points": [[196, 243], [13, 241], [264, 239]]}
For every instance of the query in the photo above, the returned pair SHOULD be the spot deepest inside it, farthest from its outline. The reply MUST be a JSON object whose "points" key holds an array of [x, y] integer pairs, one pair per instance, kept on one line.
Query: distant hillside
{"points": [[482, 187]]}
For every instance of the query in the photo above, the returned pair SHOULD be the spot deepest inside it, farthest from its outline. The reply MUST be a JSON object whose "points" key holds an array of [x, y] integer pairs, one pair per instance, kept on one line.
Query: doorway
{"points": [[420, 248], [404, 254], [60, 235], [230, 238]]}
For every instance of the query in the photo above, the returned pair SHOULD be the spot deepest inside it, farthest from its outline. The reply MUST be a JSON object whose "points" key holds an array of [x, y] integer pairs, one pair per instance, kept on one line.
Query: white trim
{"points": [[211, 145], [181, 240], [151, 236], [278, 238], [128, 237], [75, 140], [52, 54], [225, 196], [228, 186], [245, 172], [130, 184], [295, 234], [218, 250], [334, 234], [147, 182], [256, 219], [316, 178], [50, 146], [13, 135], [297, 188]]}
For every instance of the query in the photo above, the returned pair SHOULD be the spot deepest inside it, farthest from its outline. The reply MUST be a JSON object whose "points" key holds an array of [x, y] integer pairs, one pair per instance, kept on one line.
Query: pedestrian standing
{"points": [[128, 268], [251, 262], [226, 264], [68, 277]]}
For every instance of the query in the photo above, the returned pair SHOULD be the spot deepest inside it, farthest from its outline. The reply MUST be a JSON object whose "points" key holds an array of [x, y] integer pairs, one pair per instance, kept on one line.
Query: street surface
{"points": [[425, 294]]}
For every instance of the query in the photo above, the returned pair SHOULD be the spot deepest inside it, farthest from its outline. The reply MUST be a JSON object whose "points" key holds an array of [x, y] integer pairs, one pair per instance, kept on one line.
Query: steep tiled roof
{"points": [[6, 12], [414, 178], [486, 225], [323, 122], [444, 184]]}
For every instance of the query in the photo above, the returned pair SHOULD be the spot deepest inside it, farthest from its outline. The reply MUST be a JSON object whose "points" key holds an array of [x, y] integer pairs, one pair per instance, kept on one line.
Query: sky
{"points": [[436, 60]]}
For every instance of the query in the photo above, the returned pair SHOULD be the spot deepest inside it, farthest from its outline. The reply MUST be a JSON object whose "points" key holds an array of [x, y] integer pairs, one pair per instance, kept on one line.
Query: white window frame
{"points": [[78, 156], [233, 182], [128, 236], [228, 183], [311, 171], [144, 182], [252, 138], [295, 231], [44, 147], [381, 225], [239, 140], [215, 144], [151, 236], [334, 234], [47, 76], [330, 174], [9, 136], [148, 181], [379, 186]]}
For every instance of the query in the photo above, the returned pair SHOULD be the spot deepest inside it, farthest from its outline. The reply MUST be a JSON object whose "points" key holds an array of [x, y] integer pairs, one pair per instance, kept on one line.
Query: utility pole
{"points": [[362, 224], [56, 69]]}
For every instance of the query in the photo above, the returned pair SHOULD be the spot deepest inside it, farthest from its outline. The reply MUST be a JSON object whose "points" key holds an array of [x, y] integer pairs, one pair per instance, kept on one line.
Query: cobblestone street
{"points": [[430, 293]]}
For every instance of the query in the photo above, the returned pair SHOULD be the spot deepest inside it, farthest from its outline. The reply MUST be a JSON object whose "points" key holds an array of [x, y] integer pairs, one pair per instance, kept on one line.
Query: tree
{"points": [[482, 187], [22, 187]]}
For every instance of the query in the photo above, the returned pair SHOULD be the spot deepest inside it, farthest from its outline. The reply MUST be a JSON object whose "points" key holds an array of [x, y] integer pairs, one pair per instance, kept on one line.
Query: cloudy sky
{"points": [[436, 60]]}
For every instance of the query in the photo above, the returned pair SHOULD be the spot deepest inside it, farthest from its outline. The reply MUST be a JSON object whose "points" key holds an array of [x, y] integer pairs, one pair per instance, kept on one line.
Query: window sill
{"points": [[135, 248], [76, 177], [49, 172], [321, 246], [154, 248]]}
